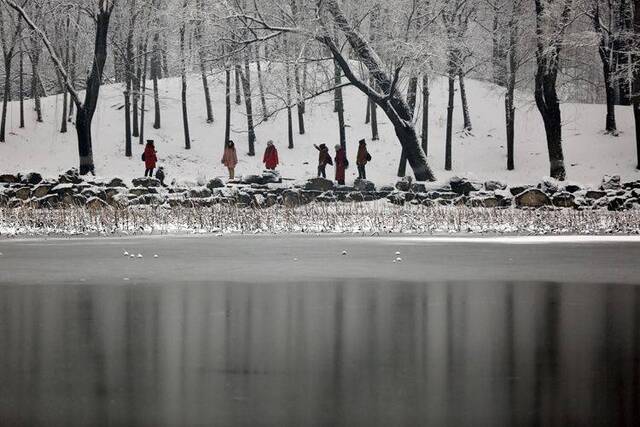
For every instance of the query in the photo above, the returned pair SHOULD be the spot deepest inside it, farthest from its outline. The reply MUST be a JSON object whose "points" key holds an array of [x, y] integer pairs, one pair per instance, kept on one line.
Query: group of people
{"points": [[341, 162], [271, 161]]}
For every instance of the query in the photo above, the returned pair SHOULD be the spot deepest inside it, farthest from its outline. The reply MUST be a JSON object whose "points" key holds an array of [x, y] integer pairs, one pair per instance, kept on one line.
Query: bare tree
{"points": [[100, 11], [10, 33], [552, 20]]}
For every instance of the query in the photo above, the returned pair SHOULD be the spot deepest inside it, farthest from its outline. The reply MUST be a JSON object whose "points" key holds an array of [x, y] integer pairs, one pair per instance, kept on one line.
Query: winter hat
{"points": [[269, 143], [362, 142], [323, 146], [337, 146]]}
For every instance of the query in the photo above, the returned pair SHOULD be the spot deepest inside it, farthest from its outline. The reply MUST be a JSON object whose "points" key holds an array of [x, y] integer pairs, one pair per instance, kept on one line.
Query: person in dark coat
{"points": [[160, 176], [324, 159], [270, 158], [150, 158], [341, 164], [362, 159]]}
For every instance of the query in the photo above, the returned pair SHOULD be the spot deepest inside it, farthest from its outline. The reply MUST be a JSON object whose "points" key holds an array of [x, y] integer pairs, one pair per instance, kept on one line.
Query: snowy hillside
{"points": [[589, 154]]}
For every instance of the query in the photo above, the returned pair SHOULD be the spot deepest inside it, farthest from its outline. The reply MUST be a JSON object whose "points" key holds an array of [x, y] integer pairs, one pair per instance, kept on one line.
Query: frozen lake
{"points": [[233, 331]]}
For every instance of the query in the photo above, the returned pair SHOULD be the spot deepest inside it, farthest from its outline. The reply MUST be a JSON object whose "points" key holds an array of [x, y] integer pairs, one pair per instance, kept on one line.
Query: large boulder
{"points": [[549, 186], [146, 182], [9, 179], [611, 182], [41, 190], [271, 177], [364, 185], [494, 185], [200, 192], [252, 179], [23, 193], [519, 189], [141, 191], [404, 184], [70, 177], [564, 199], [215, 183], [397, 198], [48, 201], [595, 194], [463, 186], [532, 198], [319, 184], [115, 183], [484, 201], [32, 178], [616, 203]]}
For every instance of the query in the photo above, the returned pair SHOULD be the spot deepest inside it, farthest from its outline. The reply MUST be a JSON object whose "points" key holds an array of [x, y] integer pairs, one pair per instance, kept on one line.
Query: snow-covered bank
{"points": [[589, 153], [357, 218]]}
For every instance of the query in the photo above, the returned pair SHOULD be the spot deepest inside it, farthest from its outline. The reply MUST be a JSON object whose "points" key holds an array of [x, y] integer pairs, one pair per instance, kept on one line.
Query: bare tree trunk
{"points": [[300, 103], [63, 86], [412, 91], [449, 134], [35, 83], [340, 107], [227, 98], [6, 98], [155, 74], [21, 87], [263, 101], [137, 77], [203, 70], [245, 77], [605, 51], [636, 84], [374, 115], [143, 101], [73, 64], [289, 116], [237, 71], [465, 104], [183, 75], [425, 113], [547, 101]]}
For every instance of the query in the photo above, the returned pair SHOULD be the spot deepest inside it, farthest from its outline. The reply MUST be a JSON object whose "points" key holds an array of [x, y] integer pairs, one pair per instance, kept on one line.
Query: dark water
{"points": [[352, 354]]}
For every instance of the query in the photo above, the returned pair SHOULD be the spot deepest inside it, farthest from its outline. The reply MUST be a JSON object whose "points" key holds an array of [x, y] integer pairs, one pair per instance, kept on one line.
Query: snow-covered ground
{"points": [[589, 153]]}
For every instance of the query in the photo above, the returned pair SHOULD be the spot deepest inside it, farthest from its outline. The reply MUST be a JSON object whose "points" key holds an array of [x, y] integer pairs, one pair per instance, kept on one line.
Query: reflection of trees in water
{"points": [[401, 353]]}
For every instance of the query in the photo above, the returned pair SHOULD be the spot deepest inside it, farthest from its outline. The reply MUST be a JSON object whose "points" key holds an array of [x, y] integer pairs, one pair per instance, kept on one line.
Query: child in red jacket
{"points": [[150, 158], [270, 158]]}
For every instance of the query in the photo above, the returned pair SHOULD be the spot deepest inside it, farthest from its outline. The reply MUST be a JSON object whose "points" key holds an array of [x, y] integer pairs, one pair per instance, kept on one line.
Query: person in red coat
{"points": [[150, 158], [341, 164], [270, 158]]}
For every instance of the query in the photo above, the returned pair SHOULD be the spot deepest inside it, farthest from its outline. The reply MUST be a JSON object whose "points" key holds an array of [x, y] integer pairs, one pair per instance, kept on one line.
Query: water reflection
{"points": [[320, 354]]}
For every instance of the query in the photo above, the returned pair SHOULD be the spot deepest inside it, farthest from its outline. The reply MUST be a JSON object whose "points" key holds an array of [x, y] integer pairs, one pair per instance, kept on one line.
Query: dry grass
{"points": [[374, 217]]}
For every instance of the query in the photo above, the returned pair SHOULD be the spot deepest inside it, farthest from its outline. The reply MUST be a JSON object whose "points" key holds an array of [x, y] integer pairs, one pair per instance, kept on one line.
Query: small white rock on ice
{"points": [[126, 279], [397, 253], [125, 253], [295, 259], [399, 259], [139, 255], [132, 256], [344, 252], [155, 255]]}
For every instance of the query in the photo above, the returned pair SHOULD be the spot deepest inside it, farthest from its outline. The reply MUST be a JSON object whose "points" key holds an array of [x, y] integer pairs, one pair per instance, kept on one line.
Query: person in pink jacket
{"points": [[229, 158]]}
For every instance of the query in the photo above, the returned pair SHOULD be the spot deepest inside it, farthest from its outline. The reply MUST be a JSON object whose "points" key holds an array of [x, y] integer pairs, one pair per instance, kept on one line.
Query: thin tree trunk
{"points": [[203, 73], [340, 107], [35, 84], [143, 101], [245, 77], [137, 77], [300, 103], [425, 113], [73, 64], [465, 104], [449, 134], [6, 98], [289, 115], [155, 75], [367, 116], [21, 88], [227, 98], [65, 100], [237, 71], [263, 101], [636, 85], [183, 75], [374, 115]]}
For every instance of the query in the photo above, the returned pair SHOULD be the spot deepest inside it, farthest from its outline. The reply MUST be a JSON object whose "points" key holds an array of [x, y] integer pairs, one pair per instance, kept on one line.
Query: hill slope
{"points": [[589, 154]]}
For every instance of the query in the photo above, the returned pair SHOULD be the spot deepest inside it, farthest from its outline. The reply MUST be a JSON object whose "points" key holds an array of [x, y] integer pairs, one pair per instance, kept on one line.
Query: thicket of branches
{"points": [[274, 56]]}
